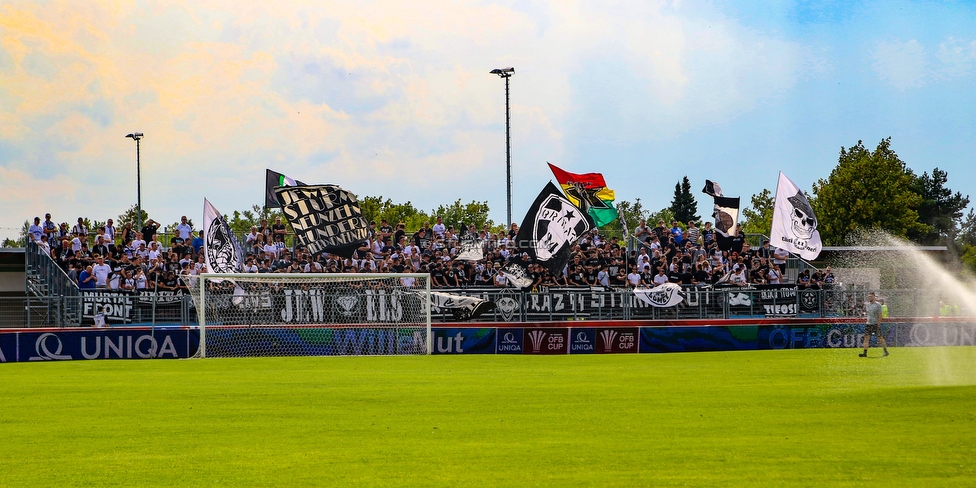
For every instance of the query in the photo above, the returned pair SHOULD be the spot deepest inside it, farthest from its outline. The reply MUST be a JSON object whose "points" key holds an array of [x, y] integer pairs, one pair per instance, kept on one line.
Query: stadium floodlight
{"points": [[507, 73], [137, 136], [312, 314]]}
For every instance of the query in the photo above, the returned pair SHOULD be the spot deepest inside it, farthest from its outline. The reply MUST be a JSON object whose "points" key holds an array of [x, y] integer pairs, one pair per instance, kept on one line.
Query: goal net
{"points": [[312, 314]]}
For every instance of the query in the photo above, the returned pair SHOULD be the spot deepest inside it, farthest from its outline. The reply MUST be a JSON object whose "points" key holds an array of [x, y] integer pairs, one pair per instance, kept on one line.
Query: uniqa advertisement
{"points": [[66, 345]]}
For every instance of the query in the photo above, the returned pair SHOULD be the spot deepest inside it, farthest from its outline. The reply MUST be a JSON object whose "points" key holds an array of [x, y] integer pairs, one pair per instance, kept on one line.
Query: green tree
{"points": [[22, 241], [665, 214], [940, 210], [378, 208], [458, 214], [131, 216], [241, 221], [631, 213], [683, 206], [759, 217], [867, 190]]}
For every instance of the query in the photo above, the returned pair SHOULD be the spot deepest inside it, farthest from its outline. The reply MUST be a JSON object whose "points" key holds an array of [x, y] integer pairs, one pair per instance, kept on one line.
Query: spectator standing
{"points": [[110, 232], [80, 229], [149, 230], [35, 231], [183, 230], [49, 228], [693, 234]]}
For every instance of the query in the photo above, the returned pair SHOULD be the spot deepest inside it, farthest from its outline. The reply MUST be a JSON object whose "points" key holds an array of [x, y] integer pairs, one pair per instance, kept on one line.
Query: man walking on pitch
{"points": [[873, 325]]}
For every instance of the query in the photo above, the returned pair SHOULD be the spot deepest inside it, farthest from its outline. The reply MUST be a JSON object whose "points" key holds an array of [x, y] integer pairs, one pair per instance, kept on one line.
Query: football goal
{"points": [[312, 314]]}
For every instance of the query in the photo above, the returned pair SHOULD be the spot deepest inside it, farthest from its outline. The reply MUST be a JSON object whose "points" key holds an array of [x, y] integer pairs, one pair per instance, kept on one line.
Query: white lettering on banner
{"points": [[3, 358], [556, 342], [42, 347], [455, 341], [943, 335]]}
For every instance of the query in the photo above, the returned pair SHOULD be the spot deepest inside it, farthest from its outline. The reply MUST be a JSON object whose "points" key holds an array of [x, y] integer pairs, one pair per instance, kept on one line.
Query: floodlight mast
{"points": [[507, 73], [137, 136]]}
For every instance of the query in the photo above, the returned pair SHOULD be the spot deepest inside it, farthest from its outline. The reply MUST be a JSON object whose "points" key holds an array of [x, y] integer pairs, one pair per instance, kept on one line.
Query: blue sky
{"points": [[392, 99]]}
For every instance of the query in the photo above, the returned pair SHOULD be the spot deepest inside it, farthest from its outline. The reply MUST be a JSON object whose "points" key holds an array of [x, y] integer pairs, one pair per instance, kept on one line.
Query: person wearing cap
{"points": [[35, 231], [872, 325], [50, 228]]}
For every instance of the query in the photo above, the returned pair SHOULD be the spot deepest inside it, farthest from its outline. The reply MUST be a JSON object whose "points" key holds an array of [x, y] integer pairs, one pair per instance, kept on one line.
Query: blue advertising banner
{"points": [[691, 339], [313, 341], [464, 341], [8, 348], [509, 341], [107, 344], [582, 341]]}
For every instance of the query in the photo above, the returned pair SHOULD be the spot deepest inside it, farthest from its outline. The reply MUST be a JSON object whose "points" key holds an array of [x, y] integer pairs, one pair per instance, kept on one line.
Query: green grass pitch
{"points": [[768, 418]]}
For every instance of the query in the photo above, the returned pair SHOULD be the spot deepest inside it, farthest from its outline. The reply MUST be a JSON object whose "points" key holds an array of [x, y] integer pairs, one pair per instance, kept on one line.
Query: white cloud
{"points": [[389, 98], [909, 64]]}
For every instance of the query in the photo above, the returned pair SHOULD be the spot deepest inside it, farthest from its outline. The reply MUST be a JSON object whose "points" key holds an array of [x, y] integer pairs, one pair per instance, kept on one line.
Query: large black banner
{"points": [[326, 218], [549, 230]]}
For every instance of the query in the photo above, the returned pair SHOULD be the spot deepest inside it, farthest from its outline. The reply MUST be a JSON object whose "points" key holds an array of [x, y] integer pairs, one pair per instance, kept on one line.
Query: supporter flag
{"points": [[663, 295], [794, 225], [712, 189], [462, 307], [550, 229], [273, 179], [325, 218], [589, 192], [470, 246], [726, 213], [221, 249]]}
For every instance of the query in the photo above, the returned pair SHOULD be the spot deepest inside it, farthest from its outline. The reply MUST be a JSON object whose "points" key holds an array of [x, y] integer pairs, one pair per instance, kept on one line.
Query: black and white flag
{"points": [[274, 179], [794, 225], [726, 213], [712, 189], [462, 307], [326, 218], [550, 229], [222, 250], [663, 295], [470, 248]]}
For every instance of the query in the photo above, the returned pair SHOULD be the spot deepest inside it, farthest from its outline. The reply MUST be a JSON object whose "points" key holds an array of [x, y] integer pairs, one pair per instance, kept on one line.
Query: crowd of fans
{"points": [[134, 259]]}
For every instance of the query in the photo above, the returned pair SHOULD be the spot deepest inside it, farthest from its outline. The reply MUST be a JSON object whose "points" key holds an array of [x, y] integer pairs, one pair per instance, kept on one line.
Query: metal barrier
{"points": [[556, 304]]}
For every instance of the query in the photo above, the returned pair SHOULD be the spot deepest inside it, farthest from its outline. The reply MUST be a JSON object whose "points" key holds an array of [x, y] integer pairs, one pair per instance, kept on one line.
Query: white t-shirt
{"points": [[101, 272], [184, 230], [660, 279]]}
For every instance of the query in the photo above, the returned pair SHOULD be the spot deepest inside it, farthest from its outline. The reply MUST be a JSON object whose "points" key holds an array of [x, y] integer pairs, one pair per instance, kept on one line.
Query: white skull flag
{"points": [[794, 225], [221, 248], [550, 229], [663, 295]]}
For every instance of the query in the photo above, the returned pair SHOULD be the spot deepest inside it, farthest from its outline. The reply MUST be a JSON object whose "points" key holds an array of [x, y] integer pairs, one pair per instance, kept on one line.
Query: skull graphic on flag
{"points": [[557, 222]]}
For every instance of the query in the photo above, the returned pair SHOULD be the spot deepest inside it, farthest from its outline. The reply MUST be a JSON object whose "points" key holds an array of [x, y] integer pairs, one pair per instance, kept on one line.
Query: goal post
{"points": [[312, 314]]}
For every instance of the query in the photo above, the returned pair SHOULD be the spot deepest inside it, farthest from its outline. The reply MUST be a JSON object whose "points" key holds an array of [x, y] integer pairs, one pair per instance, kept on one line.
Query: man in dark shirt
{"points": [[149, 230]]}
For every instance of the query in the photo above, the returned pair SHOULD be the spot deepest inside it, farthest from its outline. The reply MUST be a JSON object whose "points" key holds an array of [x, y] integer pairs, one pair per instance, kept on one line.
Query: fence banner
{"points": [[546, 341], [464, 340], [8, 348], [617, 340], [582, 341], [509, 341], [63, 345], [125, 307], [694, 339]]}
